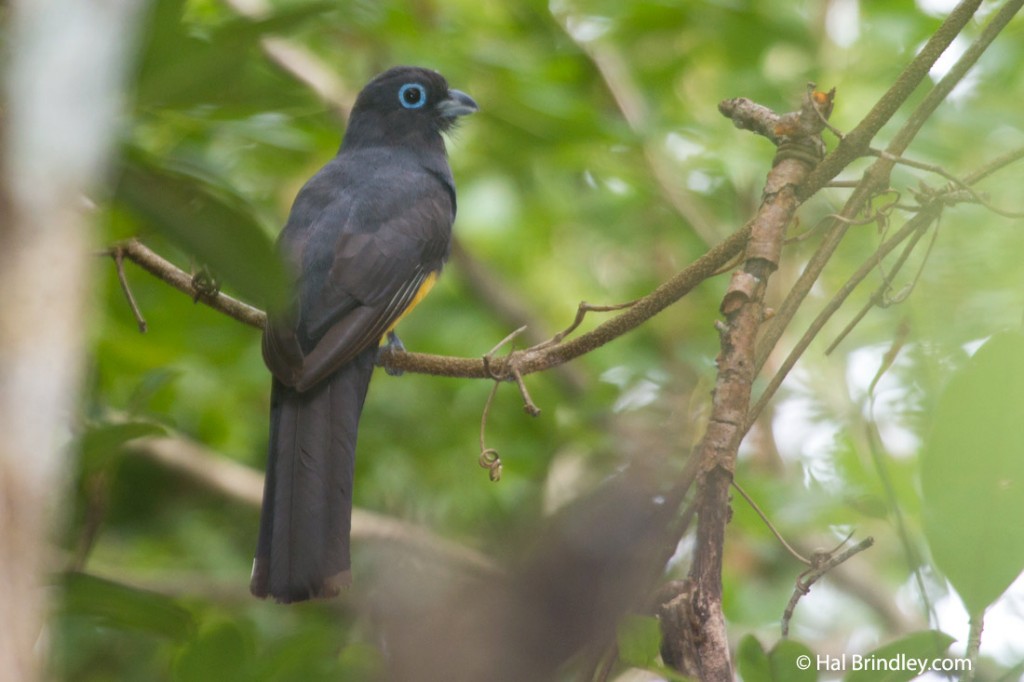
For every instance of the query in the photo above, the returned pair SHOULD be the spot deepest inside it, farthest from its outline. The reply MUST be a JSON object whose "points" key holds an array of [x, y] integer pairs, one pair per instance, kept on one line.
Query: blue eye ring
{"points": [[412, 96]]}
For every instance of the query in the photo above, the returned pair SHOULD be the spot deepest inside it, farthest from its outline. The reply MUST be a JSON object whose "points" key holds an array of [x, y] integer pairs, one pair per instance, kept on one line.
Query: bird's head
{"points": [[405, 105]]}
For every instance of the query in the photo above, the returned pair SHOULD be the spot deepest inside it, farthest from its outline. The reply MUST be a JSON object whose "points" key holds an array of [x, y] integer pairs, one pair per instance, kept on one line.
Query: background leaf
{"points": [[205, 222], [972, 474], [788, 661], [752, 661], [101, 443], [918, 646], [118, 606], [639, 639]]}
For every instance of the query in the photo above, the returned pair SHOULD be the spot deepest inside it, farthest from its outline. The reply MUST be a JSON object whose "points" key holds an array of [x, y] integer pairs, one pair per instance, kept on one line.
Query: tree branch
{"points": [[823, 563], [538, 358], [158, 266], [915, 227], [501, 300], [876, 177], [744, 312], [855, 143], [544, 356]]}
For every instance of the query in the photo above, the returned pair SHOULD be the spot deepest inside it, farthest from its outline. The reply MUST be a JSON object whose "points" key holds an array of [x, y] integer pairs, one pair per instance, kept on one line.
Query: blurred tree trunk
{"points": [[62, 99]]}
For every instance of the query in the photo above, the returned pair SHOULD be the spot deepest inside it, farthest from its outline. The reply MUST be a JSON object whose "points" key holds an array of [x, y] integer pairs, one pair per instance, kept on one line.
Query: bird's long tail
{"points": [[303, 547]]}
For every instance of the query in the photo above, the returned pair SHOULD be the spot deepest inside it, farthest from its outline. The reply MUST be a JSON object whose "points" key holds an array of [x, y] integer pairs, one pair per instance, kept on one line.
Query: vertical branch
{"points": [[744, 312], [66, 59]]}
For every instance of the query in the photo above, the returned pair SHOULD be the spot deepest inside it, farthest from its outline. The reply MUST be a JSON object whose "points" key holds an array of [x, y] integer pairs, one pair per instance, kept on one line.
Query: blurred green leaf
{"points": [[150, 384], [183, 66], [206, 223], [752, 661], [313, 654], [972, 474], [101, 444], [221, 651], [119, 606], [788, 661], [894, 658], [361, 662], [639, 639], [792, 661]]}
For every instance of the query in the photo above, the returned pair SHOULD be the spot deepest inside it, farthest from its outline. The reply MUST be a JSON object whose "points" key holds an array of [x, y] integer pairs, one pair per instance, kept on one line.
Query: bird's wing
{"points": [[364, 261]]}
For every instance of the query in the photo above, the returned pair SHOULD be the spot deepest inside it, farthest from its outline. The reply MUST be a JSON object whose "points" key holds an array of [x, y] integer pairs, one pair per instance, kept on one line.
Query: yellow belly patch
{"points": [[421, 293]]}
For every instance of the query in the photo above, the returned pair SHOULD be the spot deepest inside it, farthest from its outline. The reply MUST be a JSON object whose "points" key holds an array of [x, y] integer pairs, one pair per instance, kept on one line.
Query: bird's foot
{"points": [[395, 345], [205, 284]]}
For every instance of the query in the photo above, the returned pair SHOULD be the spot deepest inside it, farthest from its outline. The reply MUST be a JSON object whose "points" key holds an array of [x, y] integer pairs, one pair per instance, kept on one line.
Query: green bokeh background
{"points": [[561, 199]]}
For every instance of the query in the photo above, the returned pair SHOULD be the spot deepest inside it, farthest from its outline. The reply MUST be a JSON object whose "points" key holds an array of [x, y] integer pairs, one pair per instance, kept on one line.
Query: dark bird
{"points": [[365, 241]]}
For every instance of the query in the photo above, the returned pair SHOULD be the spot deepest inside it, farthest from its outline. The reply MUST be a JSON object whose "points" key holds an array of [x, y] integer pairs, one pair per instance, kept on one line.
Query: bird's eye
{"points": [[412, 95]]}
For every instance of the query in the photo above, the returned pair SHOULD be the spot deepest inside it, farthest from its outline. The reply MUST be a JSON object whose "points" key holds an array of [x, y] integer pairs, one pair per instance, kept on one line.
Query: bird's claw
{"points": [[204, 284], [394, 344]]}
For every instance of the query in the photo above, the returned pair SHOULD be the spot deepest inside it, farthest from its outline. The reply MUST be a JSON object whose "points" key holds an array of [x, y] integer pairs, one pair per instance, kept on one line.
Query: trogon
{"points": [[365, 240]]}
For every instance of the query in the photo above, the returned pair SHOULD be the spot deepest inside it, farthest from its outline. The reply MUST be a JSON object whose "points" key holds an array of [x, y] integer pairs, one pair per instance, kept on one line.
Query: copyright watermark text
{"points": [[898, 663]]}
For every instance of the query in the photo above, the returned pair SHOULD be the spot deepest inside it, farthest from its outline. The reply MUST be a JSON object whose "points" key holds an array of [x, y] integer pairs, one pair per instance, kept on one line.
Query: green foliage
{"points": [[113, 605], [561, 199], [788, 661], [189, 211], [222, 651], [919, 646], [101, 445], [972, 474], [639, 639]]}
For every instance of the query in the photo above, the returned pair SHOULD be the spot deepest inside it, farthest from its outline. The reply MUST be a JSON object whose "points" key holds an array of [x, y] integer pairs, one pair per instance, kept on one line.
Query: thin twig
{"points": [[154, 264], [528, 405], [889, 358], [915, 224], [512, 373], [823, 564], [505, 302], [884, 299], [778, 536], [875, 448], [581, 312], [860, 315], [118, 253], [918, 223], [498, 346], [877, 297], [855, 143], [939, 170], [529, 361], [489, 458], [934, 99], [728, 267], [996, 164]]}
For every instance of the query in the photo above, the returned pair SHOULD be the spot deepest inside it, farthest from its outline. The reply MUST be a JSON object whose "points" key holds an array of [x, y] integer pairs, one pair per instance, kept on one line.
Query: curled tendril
{"points": [[490, 460]]}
